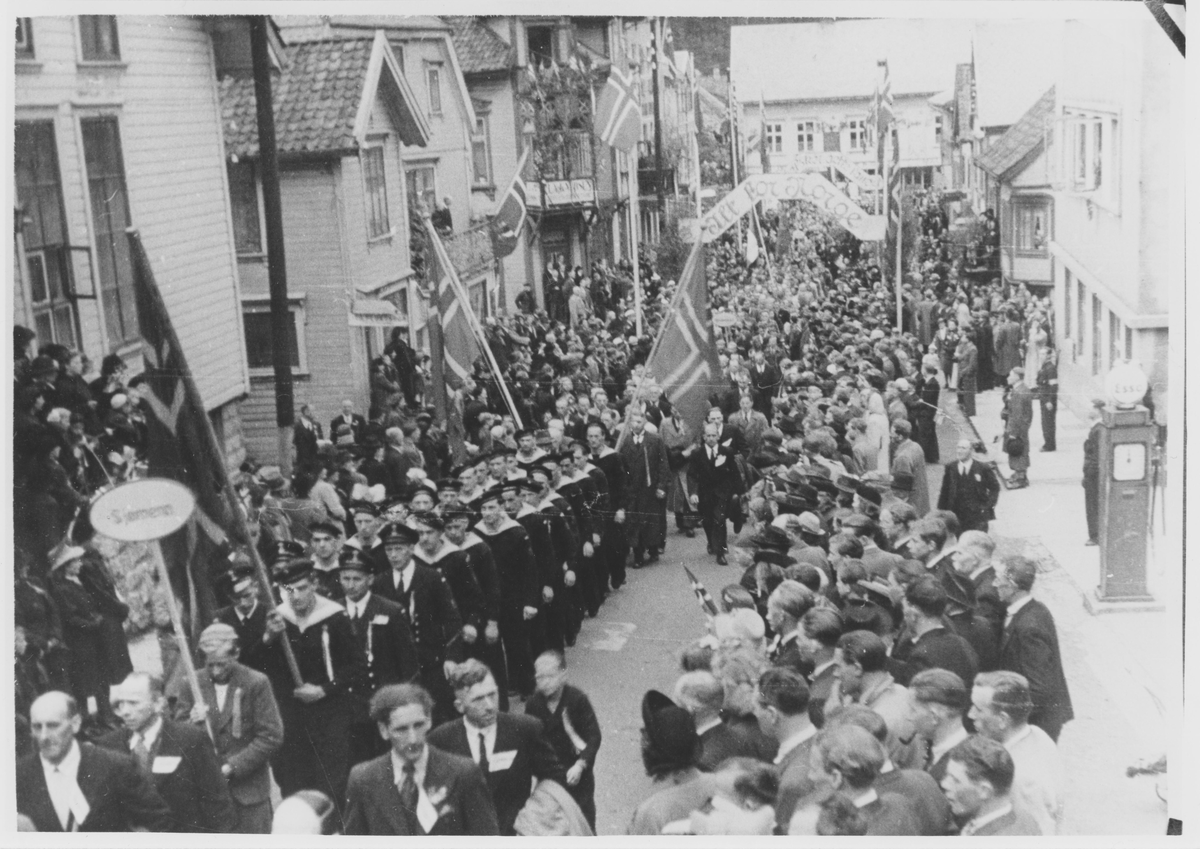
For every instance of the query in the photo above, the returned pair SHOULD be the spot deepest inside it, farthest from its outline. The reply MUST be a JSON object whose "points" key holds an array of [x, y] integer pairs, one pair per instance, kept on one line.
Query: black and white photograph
{"points": [[570, 419]]}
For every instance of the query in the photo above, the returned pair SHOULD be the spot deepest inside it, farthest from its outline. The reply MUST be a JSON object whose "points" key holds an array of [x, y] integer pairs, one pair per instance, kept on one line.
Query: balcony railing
{"points": [[563, 156], [471, 250]]}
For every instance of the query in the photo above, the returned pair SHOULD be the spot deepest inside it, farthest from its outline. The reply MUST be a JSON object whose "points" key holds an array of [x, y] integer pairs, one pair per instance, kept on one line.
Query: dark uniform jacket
{"points": [[433, 616], [452, 563], [516, 567], [971, 497]]}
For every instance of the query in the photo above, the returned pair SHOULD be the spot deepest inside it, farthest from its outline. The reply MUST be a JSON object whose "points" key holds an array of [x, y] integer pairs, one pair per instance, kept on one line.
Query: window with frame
{"points": [[256, 319], [1116, 339], [481, 152], [858, 134], [375, 188], [1029, 226], [244, 205], [433, 78], [110, 217], [1097, 335], [1067, 294], [98, 38], [773, 133], [1080, 316], [540, 44], [806, 136], [24, 38], [421, 183], [1091, 154], [43, 226], [937, 128]]}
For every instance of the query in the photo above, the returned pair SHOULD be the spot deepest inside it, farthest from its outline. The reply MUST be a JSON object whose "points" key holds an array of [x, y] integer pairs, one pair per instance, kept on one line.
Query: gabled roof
{"points": [[1022, 139], [836, 58], [322, 100], [480, 50]]}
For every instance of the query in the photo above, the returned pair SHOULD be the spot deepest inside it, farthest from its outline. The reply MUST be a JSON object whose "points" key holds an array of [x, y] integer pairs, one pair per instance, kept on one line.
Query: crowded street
{"points": [[572, 426]]}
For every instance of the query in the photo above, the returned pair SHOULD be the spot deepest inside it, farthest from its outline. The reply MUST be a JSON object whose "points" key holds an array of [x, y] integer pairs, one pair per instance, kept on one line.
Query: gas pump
{"points": [[1127, 442]]}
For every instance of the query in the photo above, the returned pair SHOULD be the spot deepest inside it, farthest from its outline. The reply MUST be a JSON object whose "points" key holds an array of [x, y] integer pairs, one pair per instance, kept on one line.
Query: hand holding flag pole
{"points": [[706, 601]]}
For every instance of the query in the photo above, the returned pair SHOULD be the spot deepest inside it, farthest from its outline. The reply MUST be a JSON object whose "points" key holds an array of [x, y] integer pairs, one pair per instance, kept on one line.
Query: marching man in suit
{"points": [[510, 749], [969, 490], [714, 475], [645, 490], [178, 758], [247, 724], [415, 789], [72, 786]]}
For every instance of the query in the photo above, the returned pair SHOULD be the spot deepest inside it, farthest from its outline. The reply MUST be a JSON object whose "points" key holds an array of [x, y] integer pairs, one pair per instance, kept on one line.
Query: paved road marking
{"points": [[612, 636]]}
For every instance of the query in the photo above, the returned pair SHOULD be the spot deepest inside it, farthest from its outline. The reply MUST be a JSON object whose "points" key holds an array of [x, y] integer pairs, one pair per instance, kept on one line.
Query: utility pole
{"points": [[281, 318], [656, 47]]}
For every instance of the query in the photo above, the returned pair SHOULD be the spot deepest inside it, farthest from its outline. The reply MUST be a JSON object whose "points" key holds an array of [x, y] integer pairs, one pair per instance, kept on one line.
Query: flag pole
{"points": [[899, 267], [142, 269], [695, 256], [472, 319], [636, 240]]}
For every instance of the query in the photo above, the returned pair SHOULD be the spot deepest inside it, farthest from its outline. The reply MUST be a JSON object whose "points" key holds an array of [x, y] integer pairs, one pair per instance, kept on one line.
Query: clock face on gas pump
{"points": [[1129, 461]]}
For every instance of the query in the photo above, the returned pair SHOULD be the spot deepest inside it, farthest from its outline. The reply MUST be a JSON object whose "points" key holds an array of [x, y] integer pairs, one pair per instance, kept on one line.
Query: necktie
{"points": [[483, 758], [408, 798], [141, 754], [962, 469], [712, 453]]}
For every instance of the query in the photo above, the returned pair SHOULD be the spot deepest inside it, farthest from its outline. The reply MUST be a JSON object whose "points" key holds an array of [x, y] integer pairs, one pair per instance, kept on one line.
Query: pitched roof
{"points": [[316, 100], [836, 58], [1022, 138], [480, 50]]}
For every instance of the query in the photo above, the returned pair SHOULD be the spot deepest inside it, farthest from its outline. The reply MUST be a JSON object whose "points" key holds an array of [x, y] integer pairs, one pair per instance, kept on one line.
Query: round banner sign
{"points": [[1126, 384], [143, 510]]}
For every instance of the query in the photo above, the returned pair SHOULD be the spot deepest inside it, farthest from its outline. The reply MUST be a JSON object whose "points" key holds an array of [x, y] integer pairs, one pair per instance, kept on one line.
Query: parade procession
{"points": [[598, 425]]}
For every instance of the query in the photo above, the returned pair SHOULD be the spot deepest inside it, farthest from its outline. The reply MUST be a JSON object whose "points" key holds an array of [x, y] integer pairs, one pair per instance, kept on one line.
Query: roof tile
{"points": [[316, 100], [479, 49], [1021, 139]]}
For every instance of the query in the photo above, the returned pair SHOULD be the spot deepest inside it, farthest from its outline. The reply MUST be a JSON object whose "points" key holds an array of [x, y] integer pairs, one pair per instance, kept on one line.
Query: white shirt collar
{"points": [[1013, 607], [795, 740], [979, 822], [418, 773], [406, 574], [244, 616], [866, 798], [150, 735], [62, 783], [712, 723], [1018, 737], [358, 607], [68, 766], [938, 749], [821, 667], [979, 570], [489, 738]]}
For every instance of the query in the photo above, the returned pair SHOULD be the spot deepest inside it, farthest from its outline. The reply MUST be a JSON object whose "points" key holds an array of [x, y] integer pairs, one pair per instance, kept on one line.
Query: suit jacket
{"points": [[305, 439], [250, 634], [788, 655], [534, 759], [193, 788], [715, 480], [1030, 647], [971, 497], [373, 799], [386, 641], [249, 729], [343, 432], [794, 783], [909, 458], [720, 743], [121, 797], [922, 791], [940, 648], [1014, 822], [432, 615], [752, 431]]}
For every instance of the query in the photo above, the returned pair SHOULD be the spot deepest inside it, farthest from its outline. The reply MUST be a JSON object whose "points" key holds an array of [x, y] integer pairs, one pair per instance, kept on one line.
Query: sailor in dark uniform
{"points": [[520, 592], [316, 713], [614, 547]]}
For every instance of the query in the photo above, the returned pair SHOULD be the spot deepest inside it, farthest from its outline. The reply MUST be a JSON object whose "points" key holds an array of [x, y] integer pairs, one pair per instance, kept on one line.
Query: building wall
{"points": [[317, 275], [164, 97], [449, 143], [1127, 251]]}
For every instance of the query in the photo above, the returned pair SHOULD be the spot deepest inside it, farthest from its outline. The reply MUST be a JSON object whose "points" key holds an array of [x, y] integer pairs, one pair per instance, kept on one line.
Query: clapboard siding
{"points": [[317, 270], [164, 99]]}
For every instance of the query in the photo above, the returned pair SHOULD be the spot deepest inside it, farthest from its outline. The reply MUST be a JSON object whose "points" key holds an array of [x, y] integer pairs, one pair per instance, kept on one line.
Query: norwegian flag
{"points": [[684, 357], [618, 119], [706, 601], [181, 446], [509, 220], [454, 311]]}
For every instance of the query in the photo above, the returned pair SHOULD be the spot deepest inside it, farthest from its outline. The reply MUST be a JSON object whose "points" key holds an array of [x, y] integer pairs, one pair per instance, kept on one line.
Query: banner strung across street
{"points": [[810, 186]]}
